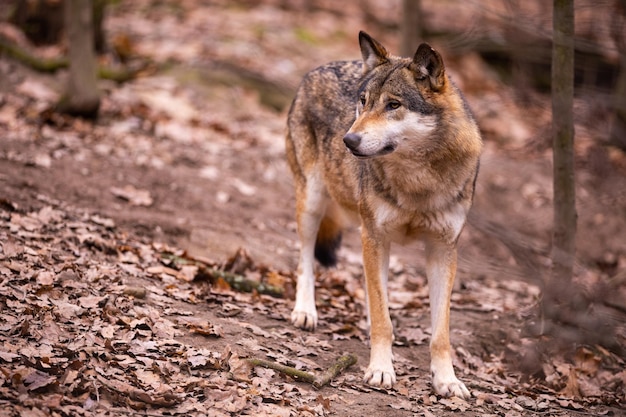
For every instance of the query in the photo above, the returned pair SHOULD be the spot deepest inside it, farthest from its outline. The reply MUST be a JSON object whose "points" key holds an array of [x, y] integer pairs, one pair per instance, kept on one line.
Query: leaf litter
{"points": [[75, 341], [84, 344]]}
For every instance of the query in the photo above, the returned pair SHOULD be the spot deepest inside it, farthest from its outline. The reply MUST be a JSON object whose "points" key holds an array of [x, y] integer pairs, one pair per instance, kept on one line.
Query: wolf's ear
{"points": [[373, 52], [427, 64]]}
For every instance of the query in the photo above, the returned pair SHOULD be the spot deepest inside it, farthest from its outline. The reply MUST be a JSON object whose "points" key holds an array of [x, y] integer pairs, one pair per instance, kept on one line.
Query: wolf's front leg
{"points": [[304, 314], [310, 207], [380, 372], [441, 270]]}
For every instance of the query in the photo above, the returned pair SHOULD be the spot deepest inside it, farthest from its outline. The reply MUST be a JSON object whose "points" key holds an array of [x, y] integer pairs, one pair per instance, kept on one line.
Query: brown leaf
{"points": [[203, 358], [208, 329], [256, 330], [69, 377], [8, 356], [325, 402], [427, 413], [46, 278], [66, 310], [587, 361], [275, 279], [455, 404], [91, 301], [52, 401], [240, 262], [402, 404], [221, 284], [37, 380], [49, 215], [148, 378], [569, 404], [188, 272], [24, 222], [572, 389], [412, 335]]}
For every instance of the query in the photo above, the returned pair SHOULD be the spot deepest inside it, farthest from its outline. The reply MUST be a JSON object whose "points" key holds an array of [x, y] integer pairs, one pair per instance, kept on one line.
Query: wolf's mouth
{"points": [[384, 151], [387, 149]]}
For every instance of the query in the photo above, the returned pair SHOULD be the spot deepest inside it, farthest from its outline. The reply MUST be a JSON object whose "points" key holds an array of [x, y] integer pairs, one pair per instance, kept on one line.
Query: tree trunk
{"points": [[563, 244], [561, 299], [82, 97], [618, 27], [411, 27]]}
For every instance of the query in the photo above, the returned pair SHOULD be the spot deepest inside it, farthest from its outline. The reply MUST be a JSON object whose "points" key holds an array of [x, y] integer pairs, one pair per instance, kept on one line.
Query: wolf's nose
{"points": [[352, 140]]}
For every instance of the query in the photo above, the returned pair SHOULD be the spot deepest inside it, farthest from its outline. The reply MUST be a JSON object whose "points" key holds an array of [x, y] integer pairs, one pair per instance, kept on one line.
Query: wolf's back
{"points": [[321, 113], [325, 101]]}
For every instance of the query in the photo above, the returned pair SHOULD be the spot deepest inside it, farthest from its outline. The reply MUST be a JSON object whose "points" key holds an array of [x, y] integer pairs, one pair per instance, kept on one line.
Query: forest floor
{"points": [[99, 315]]}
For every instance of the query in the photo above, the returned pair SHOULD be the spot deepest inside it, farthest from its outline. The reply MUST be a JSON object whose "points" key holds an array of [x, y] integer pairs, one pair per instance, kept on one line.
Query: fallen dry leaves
{"points": [[77, 340]]}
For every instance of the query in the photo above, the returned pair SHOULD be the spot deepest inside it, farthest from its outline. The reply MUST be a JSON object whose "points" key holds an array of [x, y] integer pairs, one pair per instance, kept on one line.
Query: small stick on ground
{"points": [[344, 362], [318, 381], [287, 370]]}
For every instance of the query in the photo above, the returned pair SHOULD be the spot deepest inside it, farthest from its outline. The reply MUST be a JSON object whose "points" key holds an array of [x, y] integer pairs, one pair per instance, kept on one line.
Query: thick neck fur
{"points": [[433, 175]]}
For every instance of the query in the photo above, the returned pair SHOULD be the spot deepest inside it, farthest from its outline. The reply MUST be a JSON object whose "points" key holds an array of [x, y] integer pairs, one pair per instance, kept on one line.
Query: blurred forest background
{"points": [[128, 127]]}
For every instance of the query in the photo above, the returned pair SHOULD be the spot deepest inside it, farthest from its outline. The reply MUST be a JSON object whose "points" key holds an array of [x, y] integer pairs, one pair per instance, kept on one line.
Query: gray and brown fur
{"points": [[388, 144]]}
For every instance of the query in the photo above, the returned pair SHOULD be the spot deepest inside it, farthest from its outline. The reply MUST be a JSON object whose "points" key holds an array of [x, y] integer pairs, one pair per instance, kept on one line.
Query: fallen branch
{"points": [[284, 369], [26, 58], [235, 281], [51, 65], [344, 362]]}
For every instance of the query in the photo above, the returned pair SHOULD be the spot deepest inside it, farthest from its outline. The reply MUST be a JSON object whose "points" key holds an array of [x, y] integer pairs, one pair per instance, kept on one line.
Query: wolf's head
{"points": [[400, 100]]}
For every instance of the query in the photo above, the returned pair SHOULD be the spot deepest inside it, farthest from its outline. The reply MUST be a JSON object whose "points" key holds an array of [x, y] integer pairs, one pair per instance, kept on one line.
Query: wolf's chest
{"points": [[404, 226]]}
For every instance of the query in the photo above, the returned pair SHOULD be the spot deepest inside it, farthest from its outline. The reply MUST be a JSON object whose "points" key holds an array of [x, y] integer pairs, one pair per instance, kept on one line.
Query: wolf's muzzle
{"points": [[352, 141]]}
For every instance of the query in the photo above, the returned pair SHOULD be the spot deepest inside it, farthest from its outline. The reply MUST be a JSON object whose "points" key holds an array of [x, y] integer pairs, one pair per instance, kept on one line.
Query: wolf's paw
{"points": [[380, 378], [304, 320], [450, 387]]}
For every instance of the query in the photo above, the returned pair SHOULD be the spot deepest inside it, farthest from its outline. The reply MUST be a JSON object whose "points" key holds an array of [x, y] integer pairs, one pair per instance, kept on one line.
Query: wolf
{"points": [[389, 144]]}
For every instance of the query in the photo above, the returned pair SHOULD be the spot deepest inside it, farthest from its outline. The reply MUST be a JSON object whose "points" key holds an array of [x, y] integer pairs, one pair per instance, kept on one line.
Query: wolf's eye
{"points": [[362, 99], [392, 105]]}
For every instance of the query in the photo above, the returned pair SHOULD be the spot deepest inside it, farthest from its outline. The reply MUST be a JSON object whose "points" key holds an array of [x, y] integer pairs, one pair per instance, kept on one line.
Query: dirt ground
{"points": [[188, 158]]}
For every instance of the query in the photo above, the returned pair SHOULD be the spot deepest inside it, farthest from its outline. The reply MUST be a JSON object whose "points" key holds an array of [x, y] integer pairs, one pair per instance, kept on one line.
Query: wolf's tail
{"points": [[328, 242]]}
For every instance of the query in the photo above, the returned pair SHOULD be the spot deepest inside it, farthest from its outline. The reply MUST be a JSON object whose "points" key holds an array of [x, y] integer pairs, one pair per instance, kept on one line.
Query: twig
{"points": [[318, 381], [287, 370], [344, 362]]}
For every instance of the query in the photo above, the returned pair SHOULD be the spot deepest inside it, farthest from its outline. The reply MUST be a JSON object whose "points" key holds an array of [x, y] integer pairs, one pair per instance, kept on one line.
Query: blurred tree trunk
{"points": [[560, 298], [618, 129], [618, 26], [82, 97], [411, 27]]}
